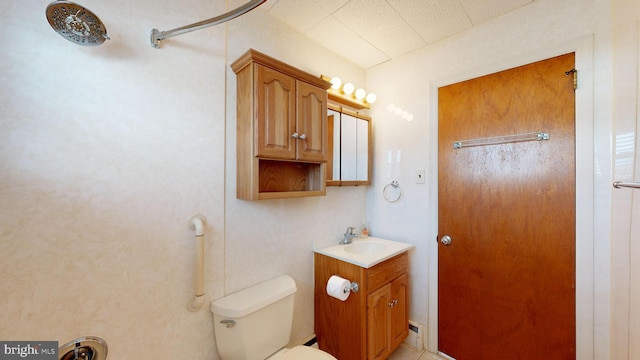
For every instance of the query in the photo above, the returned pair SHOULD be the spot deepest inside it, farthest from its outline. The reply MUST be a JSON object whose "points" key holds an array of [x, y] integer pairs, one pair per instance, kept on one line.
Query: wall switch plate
{"points": [[420, 176]]}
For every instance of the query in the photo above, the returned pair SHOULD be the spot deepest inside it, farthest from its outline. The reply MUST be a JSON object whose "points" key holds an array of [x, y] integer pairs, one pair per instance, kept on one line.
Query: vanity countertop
{"points": [[365, 252]]}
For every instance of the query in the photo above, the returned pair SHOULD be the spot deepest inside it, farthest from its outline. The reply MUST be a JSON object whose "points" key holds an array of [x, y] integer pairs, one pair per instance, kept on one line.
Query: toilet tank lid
{"points": [[244, 302]]}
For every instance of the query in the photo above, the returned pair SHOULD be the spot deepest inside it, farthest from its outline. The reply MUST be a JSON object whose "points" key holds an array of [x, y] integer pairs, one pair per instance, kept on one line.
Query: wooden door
{"points": [[276, 118], [506, 282], [311, 109]]}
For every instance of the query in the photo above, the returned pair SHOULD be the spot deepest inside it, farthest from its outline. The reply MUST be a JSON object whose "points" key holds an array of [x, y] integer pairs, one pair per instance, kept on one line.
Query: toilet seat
{"points": [[301, 352]]}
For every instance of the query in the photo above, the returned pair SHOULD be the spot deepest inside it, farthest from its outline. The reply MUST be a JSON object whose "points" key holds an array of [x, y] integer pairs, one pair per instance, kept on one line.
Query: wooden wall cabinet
{"points": [[281, 129], [370, 324]]}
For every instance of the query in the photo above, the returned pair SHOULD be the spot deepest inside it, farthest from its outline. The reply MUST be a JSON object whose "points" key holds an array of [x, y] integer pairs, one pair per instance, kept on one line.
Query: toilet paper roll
{"points": [[338, 287]]}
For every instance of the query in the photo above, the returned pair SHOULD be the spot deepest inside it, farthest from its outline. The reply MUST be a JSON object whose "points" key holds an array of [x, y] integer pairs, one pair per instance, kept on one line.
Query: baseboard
{"points": [[313, 340], [416, 335], [414, 340]]}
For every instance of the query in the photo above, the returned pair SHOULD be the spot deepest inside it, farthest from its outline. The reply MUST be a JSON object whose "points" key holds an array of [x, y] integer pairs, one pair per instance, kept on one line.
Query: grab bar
{"points": [[620, 184], [197, 223]]}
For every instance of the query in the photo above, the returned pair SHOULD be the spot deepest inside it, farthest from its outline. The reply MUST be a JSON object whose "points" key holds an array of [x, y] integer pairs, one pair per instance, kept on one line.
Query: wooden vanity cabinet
{"points": [[281, 129], [370, 324]]}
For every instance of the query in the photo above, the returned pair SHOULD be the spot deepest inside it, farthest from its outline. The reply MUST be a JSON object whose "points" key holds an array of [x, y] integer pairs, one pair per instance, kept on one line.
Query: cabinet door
{"points": [[348, 147], [362, 150], [334, 153], [311, 111], [378, 320], [275, 110], [399, 311]]}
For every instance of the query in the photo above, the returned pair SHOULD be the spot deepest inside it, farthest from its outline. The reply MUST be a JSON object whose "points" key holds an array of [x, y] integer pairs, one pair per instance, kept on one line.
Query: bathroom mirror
{"points": [[349, 147]]}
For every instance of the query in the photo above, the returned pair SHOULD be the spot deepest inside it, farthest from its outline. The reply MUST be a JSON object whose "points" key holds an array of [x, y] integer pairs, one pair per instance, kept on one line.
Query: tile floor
{"points": [[407, 353]]}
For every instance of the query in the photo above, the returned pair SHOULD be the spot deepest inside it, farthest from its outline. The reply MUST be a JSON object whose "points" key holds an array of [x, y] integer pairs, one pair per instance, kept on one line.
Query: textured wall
{"points": [[625, 229], [106, 152]]}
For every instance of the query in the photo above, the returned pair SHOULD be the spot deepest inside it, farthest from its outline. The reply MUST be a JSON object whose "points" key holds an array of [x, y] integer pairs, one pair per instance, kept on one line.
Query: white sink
{"points": [[365, 252], [364, 247]]}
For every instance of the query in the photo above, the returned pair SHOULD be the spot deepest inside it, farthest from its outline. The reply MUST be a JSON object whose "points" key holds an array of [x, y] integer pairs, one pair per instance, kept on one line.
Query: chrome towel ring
{"points": [[392, 192]]}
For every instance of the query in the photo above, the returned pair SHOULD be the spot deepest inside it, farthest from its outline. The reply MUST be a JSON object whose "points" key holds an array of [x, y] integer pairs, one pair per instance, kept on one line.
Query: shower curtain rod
{"points": [[620, 184], [157, 35]]}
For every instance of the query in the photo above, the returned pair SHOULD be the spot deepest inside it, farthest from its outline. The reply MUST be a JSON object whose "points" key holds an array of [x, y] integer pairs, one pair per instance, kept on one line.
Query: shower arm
{"points": [[157, 35]]}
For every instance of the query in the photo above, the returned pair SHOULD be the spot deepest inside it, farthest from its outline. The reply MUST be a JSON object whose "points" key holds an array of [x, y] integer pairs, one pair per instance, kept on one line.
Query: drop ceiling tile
{"points": [[362, 54], [265, 6], [380, 25], [302, 15], [332, 34], [331, 5], [369, 32], [433, 19], [234, 4], [481, 11]]}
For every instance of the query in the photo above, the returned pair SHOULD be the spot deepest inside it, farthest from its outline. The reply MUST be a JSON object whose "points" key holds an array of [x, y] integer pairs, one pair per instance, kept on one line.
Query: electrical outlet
{"points": [[420, 176]]}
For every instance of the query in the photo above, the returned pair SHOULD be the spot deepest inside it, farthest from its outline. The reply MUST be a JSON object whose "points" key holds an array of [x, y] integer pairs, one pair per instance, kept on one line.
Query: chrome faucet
{"points": [[348, 236]]}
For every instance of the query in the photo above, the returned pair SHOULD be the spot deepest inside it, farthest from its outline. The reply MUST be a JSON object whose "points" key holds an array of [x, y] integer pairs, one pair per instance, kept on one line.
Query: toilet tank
{"points": [[254, 323]]}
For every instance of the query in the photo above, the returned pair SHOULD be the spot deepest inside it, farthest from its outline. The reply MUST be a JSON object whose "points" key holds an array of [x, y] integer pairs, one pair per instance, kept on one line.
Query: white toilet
{"points": [[255, 324]]}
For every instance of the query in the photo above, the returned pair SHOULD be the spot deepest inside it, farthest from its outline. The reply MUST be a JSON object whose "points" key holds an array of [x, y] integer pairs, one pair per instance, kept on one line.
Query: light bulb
{"points": [[360, 94], [348, 88], [336, 83], [371, 98]]}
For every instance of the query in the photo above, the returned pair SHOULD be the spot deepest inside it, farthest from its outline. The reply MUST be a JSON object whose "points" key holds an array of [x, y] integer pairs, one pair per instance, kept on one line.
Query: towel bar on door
{"points": [[620, 184], [532, 136]]}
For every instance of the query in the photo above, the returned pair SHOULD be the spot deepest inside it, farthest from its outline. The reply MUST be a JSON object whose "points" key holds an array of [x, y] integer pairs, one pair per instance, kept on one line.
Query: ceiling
{"points": [[370, 32]]}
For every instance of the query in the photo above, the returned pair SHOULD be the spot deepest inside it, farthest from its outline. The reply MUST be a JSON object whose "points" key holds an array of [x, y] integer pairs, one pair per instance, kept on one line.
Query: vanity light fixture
{"points": [[336, 83], [346, 93], [370, 98], [348, 88]]}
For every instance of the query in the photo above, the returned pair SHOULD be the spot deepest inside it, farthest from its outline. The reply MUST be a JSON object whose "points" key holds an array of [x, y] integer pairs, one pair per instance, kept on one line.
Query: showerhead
{"points": [[76, 24]]}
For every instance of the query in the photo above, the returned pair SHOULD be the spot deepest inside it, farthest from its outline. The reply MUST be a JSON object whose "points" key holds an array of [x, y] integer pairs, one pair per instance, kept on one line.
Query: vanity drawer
{"points": [[386, 271]]}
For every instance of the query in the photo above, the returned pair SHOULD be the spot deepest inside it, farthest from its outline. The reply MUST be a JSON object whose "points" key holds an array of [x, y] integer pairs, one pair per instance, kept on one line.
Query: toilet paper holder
{"points": [[340, 288]]}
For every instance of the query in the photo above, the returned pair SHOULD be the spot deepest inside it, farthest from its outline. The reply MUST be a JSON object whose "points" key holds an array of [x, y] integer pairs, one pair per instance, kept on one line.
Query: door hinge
{"points": [[573, 72]]}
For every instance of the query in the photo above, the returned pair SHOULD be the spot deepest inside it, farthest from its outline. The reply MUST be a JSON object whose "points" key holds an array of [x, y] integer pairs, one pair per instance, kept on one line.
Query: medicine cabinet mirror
{"points": [[349, 147]]}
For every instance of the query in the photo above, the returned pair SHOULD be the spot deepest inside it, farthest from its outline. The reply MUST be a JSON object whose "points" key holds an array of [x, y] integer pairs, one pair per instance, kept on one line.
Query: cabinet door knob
{"points": [[303, 136], [295, 135]]}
